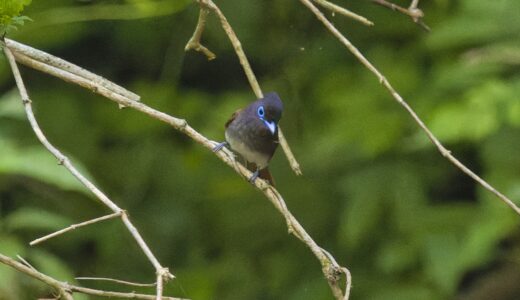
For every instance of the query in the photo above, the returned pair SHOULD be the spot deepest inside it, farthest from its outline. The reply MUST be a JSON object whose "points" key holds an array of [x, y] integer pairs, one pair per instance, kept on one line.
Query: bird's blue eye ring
{"points": [[260, 111]]}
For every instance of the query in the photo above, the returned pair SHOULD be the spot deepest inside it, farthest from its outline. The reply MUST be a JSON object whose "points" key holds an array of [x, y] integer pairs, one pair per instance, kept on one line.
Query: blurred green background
{"points": [[375, 192]]}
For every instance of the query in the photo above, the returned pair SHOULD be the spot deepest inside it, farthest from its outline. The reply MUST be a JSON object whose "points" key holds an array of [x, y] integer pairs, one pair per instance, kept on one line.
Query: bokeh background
{"points": [[375, 192]]}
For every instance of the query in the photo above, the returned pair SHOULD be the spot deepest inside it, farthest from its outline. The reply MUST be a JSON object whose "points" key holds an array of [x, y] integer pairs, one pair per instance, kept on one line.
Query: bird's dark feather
{"points": [[263, 173], [233, 116]]}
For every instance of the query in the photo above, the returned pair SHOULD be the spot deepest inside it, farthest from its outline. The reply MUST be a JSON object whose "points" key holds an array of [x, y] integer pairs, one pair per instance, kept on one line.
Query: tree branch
{"points": [[382, 79], [330, 268], [58, 285], [71, 68], [65, 289], [63, 160]]}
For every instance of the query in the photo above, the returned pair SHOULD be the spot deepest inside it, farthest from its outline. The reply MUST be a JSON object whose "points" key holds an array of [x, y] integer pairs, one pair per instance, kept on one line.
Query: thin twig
{"points": [[63, 160], [65, 289], [329, 267], [237, 46], [343, 11], [194, 42], [412, 11], [382, 79], [74, 226], [25, 262], [117, 281]]}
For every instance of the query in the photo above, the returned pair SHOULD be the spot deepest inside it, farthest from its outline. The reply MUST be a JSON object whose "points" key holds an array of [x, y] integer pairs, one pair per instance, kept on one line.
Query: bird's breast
{"points": [[251, 155]]}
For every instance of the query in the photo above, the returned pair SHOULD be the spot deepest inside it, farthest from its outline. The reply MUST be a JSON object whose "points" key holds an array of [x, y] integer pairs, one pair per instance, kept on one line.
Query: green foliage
{"points": [[375, 192], [10, 17]]}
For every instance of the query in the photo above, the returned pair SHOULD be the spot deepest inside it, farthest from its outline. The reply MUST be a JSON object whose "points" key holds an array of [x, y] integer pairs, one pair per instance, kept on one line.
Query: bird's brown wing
{"points": [[264, 173], [233, 116]]}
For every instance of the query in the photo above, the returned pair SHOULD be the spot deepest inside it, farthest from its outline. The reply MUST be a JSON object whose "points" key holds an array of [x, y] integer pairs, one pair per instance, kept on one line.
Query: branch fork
{"points": [[413, 11]]}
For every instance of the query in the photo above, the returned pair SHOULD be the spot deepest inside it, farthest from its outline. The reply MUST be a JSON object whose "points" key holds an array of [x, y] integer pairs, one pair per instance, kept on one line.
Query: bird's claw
{"points": [[218, 147], [254, 177]]}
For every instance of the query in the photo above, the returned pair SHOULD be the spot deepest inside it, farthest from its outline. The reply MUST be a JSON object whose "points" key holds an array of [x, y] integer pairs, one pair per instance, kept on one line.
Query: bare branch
{"points": [[117, 281], [58, 285], [331, 269], [65, 289], [194, 42], [110, 294], [74, 226], [343, 11], [445, 152], [412, 11], [63, 160], [237, 46], [71, 68]]}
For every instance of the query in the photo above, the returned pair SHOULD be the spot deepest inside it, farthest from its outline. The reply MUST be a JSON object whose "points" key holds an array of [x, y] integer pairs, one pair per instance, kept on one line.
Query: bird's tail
{"points": [[264, 173]]}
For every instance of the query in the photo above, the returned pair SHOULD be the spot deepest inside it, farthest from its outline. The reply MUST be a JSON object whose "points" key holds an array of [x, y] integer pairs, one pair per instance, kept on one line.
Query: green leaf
{"points": [[481, 112], [11, 106], [10, 246], [33, 218], [36, 162], [10, 11], [51, 265]]}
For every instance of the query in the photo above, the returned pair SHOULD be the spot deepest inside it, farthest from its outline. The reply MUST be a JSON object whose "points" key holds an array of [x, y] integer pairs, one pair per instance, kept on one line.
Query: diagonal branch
{"points": [[162, 273], [330, 268], [58, 285], [71, 68], [237, 46], [382, 79]]}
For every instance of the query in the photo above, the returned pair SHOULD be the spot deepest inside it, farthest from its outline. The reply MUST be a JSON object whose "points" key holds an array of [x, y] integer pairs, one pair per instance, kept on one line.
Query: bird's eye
{"points": [[260, 112]]}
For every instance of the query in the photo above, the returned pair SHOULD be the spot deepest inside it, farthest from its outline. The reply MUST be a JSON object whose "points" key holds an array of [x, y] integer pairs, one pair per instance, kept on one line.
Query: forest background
{"points": [[374, 191]]}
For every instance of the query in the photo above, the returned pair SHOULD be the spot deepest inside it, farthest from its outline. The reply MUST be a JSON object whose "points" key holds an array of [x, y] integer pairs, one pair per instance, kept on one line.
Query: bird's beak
{"points": [[271, 125]]}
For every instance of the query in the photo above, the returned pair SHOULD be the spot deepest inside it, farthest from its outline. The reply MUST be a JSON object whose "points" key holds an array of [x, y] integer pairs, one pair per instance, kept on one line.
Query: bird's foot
{"points": [[218, 147], [254, 177]]}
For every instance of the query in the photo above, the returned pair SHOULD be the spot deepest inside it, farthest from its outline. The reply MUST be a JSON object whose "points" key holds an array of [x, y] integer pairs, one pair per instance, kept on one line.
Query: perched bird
{"points": [[252, 132]]}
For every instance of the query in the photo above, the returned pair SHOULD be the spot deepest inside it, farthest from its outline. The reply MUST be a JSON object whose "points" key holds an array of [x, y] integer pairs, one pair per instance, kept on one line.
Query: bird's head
{"points": [[269, 110]]}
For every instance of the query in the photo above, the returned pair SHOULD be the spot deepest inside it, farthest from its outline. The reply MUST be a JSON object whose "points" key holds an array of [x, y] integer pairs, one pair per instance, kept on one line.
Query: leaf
{"points": [[11, 105], [33, 218], [10, 246], [10, 11], [478, 115], [36, 162], [51, 265]]}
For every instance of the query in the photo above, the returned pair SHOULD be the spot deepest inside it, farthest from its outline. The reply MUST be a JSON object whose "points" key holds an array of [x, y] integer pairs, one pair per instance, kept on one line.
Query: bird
{"points": [[252, 132]]}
